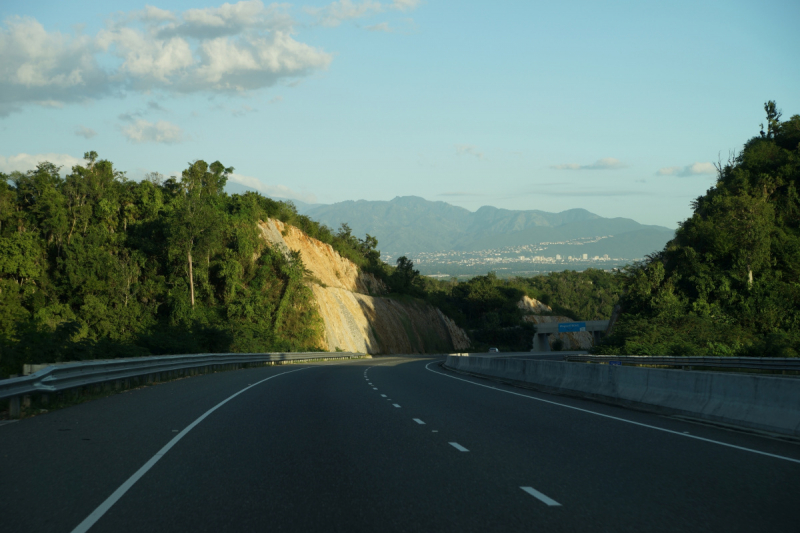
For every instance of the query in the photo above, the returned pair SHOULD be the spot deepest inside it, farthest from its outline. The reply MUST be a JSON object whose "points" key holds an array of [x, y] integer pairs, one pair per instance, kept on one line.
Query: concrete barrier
{"points": [[760, 402]]}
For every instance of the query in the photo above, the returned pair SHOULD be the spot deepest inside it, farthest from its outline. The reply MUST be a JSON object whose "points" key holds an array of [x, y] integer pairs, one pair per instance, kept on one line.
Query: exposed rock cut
{"points": [[356, 318], [532, 305]]}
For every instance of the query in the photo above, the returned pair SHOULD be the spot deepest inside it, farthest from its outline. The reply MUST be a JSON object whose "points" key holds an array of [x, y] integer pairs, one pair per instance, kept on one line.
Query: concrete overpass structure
{"points": [[541, 344]]}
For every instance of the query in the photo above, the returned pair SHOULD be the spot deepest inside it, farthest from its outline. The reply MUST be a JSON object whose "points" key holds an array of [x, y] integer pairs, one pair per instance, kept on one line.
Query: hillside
{"points": [[357, 315], [95, 266], [729, 283]]}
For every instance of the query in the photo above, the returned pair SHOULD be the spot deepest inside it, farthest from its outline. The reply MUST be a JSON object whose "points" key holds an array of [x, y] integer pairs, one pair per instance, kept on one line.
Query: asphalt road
{"points": [[388, 444]]}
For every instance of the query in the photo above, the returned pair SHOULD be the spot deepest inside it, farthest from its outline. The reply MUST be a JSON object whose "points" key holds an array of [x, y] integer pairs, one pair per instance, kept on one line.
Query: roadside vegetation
{"points": [[729, 283], [93, 265]]}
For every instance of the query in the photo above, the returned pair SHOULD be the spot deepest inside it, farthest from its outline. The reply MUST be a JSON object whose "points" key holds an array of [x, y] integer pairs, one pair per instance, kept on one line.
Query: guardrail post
{"points": [[14, 410]]}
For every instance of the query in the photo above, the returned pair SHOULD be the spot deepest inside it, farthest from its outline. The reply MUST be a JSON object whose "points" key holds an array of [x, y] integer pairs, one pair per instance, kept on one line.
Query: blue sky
{"points": [[616, 107]]}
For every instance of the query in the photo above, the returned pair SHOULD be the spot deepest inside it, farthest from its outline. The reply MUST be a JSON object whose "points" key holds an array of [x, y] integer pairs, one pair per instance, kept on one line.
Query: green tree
{"points": [[195, 226]]}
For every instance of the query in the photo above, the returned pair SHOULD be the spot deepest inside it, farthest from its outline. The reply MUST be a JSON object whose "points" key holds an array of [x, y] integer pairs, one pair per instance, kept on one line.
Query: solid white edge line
{"points": [[620, 419], [458, 447], [103, 508], [418, 421], [541, 497]]}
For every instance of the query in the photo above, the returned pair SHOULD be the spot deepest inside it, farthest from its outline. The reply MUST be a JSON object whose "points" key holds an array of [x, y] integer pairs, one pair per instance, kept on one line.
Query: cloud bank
{"points": [[228, 49]]}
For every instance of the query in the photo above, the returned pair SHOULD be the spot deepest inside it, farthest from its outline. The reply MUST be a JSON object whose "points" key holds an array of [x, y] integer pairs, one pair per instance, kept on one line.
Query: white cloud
{"points": [[86, 133], [232, 48], [336, 12], [695, 169], [25, 162], [162, 131], [405, 5], [147, 62], [383, 26], [278, 191], [258, 61], [468, 149], [37, 67], [341, 10], [601, 164], [153, 14]]}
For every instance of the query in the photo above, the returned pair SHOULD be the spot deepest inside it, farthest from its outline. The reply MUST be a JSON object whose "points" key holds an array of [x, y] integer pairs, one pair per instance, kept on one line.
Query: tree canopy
{"points": [[729, 283], [93, 265]]}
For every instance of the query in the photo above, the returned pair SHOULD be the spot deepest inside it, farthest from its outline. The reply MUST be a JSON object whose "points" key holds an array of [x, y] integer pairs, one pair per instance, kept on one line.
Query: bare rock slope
{"points": [[357, 317]]}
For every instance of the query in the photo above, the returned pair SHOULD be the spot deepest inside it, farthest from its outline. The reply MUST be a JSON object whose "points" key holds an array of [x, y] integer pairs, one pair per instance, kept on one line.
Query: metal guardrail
{"points": [[62, 377], [761, 363]]}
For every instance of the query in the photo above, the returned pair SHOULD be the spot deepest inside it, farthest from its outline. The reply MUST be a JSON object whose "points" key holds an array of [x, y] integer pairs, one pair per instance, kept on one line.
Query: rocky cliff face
{"points": [[357, 315]]}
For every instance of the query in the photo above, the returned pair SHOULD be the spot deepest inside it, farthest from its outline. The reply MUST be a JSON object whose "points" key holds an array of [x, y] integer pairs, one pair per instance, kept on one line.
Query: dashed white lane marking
{"points": [[383, 395], [541, 497], [418, 421], [374, 388], [640, 424], [395, 405], [103, 508], [458, 447], [434, 431]]}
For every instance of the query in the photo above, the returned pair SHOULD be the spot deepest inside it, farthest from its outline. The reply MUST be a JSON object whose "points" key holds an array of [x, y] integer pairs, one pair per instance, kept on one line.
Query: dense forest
{"points": [[486, 306], [729, 283], [93, 265]]}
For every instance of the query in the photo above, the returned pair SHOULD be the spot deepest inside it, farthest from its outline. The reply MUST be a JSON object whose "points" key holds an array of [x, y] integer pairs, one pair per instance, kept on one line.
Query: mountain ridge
{"points": [[411, 224]]}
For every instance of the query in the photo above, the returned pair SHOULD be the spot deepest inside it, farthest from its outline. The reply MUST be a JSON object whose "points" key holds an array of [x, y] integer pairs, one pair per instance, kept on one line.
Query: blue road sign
{"points": [[615, 363], [565, 327]]}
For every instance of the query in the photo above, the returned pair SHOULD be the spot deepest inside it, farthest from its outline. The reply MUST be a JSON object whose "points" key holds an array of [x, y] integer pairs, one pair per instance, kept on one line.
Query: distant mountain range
{"points": [[408, 225]]}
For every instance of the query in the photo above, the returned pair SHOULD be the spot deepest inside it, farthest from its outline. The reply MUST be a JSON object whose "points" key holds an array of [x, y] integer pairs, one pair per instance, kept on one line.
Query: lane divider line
{"points": [[665, 430], [103, 508], [458, 447], [396, 405], [383, 395], [541, 497], [418, 421]]}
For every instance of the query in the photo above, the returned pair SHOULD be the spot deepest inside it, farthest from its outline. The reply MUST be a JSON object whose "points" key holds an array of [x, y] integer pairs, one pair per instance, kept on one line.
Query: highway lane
{"points": [[391, 444]]}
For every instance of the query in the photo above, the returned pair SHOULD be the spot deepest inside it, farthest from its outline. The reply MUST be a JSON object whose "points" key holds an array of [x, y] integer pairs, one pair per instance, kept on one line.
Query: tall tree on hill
{"points": [[196, 224]]}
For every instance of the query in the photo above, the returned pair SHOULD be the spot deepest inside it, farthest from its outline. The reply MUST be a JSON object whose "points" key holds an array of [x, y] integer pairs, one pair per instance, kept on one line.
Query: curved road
{"points": [[388, 444]]}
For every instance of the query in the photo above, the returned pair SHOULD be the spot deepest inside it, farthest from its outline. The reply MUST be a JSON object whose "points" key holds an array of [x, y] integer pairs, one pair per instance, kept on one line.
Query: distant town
{"points": [[527, 260]]}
